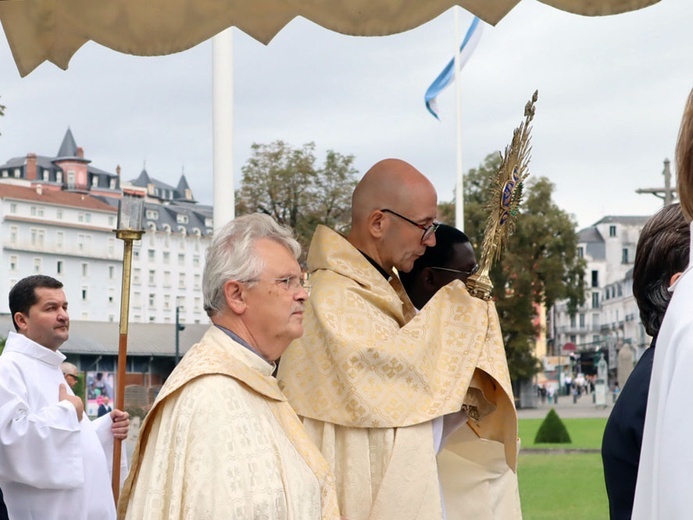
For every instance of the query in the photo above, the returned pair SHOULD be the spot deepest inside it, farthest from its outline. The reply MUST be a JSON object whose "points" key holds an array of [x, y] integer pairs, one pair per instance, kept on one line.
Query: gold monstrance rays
{"points": [[506, 194]]}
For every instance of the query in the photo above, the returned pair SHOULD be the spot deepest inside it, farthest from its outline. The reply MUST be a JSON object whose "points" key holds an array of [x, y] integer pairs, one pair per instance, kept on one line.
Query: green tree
{"points": [[539, 266], [446, 211], [285, 183]]}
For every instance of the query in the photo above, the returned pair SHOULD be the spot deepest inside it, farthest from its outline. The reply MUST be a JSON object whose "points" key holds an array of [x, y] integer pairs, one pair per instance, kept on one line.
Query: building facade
{"points": [[609, 318], [58, 215], [65, 235]]}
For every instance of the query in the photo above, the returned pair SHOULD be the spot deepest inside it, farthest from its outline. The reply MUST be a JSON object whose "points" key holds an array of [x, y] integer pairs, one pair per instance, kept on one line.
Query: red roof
{"points": [[55, 197]]}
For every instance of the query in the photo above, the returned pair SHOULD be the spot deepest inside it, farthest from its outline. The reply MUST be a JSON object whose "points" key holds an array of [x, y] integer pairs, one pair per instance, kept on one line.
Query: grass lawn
{"points": [[554, 486], [562, 486]]}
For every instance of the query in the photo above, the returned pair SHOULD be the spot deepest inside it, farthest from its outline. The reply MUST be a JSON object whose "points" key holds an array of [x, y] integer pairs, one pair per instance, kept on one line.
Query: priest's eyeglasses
{"points": [[289, 283], [474, 270], [427, 230]]}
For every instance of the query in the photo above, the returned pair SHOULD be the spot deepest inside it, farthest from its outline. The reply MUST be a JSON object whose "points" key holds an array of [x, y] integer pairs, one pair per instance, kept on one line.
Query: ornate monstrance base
{"points": [[479, 285]]}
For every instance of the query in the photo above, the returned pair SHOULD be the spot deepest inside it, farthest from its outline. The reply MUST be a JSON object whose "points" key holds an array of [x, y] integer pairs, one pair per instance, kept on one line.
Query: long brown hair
{"points": [[684, 160]]}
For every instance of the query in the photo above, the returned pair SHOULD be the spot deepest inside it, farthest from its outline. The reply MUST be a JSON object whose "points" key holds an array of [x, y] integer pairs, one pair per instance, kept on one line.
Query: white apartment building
{"points": [[57, 218], [167, 265], [609, 318], [65, 235], [621, 321]]}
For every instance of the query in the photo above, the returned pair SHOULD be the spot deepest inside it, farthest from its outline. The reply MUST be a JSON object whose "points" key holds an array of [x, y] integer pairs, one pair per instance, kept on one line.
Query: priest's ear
{"points": [[234, 296], [377, 224]]}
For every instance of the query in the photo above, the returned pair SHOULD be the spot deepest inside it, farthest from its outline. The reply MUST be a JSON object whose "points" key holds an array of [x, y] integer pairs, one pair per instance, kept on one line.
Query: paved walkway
{"points": [[566, 409]]}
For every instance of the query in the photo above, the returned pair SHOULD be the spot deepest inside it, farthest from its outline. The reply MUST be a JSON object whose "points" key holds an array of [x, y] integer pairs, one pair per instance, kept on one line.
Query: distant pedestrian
{"points": [[617, 391], [104, 407]]}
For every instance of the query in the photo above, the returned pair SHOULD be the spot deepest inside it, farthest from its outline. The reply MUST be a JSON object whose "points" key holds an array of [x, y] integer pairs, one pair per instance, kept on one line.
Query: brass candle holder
{"points": [[130, 212]]}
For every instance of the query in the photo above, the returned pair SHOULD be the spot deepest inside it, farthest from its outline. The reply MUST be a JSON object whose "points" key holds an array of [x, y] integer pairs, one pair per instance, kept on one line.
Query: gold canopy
{"points": [[53, 30]]}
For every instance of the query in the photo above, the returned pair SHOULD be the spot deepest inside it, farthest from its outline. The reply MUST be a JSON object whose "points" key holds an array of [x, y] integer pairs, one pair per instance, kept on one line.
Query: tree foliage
{"points": [[287, 184], [446, 212], [539, 266]]}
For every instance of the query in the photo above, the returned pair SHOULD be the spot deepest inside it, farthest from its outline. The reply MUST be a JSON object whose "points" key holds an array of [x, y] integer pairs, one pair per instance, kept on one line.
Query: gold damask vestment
{"points": [[222, 442], [369, 375]]}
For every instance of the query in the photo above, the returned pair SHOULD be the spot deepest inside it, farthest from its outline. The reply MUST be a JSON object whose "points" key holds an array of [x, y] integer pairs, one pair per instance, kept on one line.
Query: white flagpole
{"points": [[459, 190], [222, 59]]}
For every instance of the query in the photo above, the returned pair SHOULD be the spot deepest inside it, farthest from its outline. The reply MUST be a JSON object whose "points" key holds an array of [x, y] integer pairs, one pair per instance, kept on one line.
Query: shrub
{"points": [[552, 430]]}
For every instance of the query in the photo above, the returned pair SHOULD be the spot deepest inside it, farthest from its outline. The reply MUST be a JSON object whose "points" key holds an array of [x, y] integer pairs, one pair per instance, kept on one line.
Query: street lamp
{"points": [[130, 211], [600, 388]]}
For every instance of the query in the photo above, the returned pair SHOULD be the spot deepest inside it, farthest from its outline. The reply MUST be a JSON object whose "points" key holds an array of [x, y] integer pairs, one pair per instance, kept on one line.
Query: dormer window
{"points": [[152, 214], [182, 219]]}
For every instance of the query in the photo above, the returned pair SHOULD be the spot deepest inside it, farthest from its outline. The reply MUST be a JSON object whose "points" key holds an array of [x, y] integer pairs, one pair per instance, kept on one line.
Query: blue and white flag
{"points": [[445, 78]]}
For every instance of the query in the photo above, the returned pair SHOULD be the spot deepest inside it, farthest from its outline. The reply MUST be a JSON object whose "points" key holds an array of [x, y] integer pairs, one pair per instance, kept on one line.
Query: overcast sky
{"points": [[611, 94]]}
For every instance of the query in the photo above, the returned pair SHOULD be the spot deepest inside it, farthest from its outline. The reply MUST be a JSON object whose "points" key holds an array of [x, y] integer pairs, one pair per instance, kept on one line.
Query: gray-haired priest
{"points": [[221, 441]]}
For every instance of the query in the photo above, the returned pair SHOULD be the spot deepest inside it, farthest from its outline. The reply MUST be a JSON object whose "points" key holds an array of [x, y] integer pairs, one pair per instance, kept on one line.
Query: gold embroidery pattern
{"points": [[217, 355], [366, 361]]}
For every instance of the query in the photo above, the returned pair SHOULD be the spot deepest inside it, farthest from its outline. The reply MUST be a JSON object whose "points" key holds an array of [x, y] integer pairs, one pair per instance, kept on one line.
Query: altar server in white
{"points": [[54, 461]]}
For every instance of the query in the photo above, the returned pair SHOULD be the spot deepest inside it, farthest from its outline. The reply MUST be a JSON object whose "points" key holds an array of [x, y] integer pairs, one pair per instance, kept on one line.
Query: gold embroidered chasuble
{"points": [[369, 374], [221, 441]]}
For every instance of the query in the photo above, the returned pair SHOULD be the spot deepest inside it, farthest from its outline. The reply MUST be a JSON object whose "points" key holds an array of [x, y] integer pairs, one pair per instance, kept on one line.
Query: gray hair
{"points": [[231, 255], [69, 368]]}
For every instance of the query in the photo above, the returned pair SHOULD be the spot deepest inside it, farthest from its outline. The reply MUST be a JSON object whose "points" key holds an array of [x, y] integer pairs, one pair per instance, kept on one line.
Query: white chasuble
{"points": [[664, 473], [222, 442], [369, 375]]}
